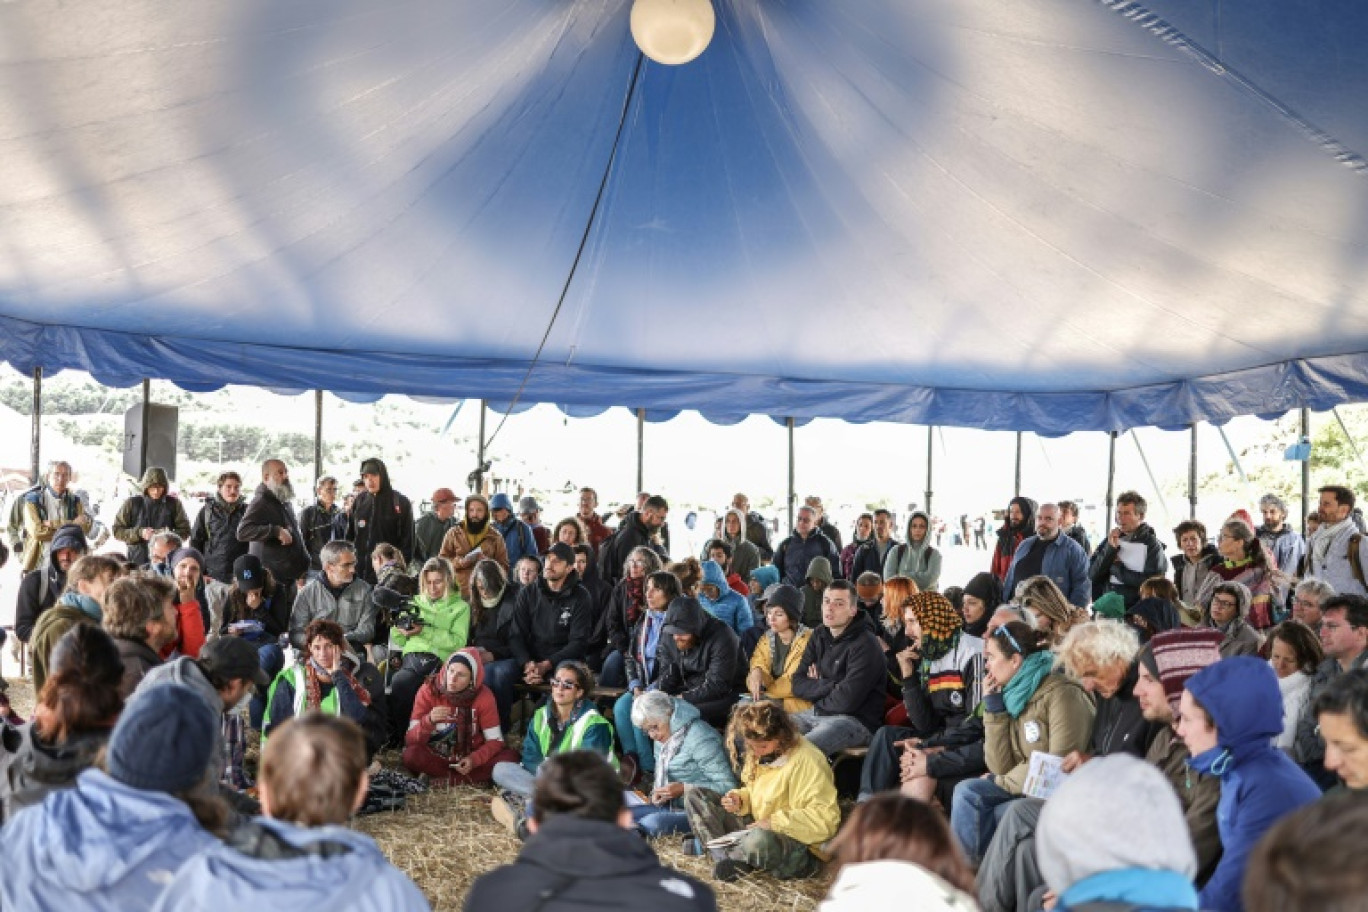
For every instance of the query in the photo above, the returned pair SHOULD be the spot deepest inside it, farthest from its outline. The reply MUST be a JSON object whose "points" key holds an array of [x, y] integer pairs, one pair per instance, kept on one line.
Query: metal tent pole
{"points": [[1144, 460], [1111, 477], [1305, 469], [641, 450], [318, 436], [792, 493], [1192, 476], [930, 431], [1017, 487], [35, 444], [1244, 479], [146, 425]]}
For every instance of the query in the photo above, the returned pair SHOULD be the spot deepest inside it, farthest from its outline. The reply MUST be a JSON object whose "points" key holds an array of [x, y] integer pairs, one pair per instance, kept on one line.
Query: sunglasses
{"points": [[563, 684]]}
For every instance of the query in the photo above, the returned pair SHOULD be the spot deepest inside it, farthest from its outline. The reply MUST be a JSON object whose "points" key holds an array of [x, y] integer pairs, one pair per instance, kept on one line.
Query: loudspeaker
{"points": [[163, 424]]}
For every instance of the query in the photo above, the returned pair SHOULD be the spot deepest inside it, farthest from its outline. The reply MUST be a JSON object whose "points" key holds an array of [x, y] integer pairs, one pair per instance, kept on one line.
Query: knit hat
{"points": [[181, 554], [249, 572], [782, 595], [501, 501], [163, 740], [940, 623], [1078, 838], [986, 589], [561, 551], [1173, 656], [1243, 516], [1111, 605]]}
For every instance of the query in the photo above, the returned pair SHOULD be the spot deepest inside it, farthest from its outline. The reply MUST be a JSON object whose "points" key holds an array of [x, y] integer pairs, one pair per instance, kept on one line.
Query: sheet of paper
{"points": [[1044, 775], [730, 839], [634, 799]]}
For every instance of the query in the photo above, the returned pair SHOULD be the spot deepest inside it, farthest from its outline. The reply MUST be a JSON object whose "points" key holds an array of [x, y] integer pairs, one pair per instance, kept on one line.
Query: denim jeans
{"points": [[512, 777], [831, 734], [655, 821], [272, 659], [975, 812], [634, 740], [500, 676]]}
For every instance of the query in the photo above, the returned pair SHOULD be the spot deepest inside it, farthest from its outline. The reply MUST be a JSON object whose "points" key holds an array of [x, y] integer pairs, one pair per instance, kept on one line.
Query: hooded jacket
{"points": [[795, 553], [850, 673], [142, 512], [494, 631], [31, 769], [1259, 783], [353, 609], [39, 589], [919, 562], [44, 513], [796, 794], [729, 608], [781, 688], [870, 884], [1197, 793], [266, 515], [215, 535], [1188, 575], [485, 735], [383, 517], [701, 759], [517, 535], [819, 569], [1239, 638], [745, 555], [551, 626], [1010, 537], [457, 544], [292, 867], [1109, 574], [571, 864], [1058, 719], [446, 627], [99, 846], [711, 669]]}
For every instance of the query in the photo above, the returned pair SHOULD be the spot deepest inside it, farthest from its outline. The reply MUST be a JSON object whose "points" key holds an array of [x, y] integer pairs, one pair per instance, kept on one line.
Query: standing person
{"points": [[1070, 526], [454, 732], [47, 509], [1131, 554], [472, 540], [271, 528], [872, 556], [1051, 553], [593, 523], [1244, 561], [795, 553], [1294, 654], [980, 534], [322, 521], [517, 535], [431, 529], [215, 534], [640, 529], [144, 515], [1328, 551], [1344, 636], [379, 515], [1228, 716], [757, 530], [1017, 525], [859, 540], [916, 558], [824, 525], [745, 556], [1284, 544], [530, 512], [40, 588]]}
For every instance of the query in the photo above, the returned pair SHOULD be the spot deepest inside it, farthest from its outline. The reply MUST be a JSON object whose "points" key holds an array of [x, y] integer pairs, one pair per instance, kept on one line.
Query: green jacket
{"points": [[446, 627], [1058, 719]]}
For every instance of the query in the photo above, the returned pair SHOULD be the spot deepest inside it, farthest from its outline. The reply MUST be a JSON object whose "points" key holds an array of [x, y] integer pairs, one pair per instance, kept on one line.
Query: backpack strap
{"points": [[1355, 559]]}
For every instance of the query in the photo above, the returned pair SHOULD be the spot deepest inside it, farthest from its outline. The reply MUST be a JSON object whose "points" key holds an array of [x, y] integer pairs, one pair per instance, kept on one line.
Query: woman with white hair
{"points": [[688, 754]]}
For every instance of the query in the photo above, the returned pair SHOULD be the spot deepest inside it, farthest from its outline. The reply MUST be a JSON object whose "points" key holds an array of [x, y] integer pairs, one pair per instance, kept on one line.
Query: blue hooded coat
{"points": [[100, 846], [1259, 784], [730, 607], [351, 874]]}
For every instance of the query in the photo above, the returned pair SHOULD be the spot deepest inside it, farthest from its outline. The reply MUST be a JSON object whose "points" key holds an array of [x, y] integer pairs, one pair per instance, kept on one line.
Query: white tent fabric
{"points": [[1051, 215]]}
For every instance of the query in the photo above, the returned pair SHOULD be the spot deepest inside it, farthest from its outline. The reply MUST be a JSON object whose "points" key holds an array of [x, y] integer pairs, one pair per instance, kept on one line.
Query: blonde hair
{"points": [[1098, 644], [762, 721], [1041, 593]]}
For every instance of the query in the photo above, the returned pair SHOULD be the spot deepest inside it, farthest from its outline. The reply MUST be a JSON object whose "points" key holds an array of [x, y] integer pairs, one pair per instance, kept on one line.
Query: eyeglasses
{"points": [[1224, 603], [347, 565], [563, 684], [1004, 632], [1306, 603]]}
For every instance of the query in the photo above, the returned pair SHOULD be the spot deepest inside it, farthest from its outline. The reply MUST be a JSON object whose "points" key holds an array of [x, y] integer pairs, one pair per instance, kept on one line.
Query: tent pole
{"points": [[1192, 476], [1016, 490], [480, 453], [930, 431], [1305, 469], [35, 445], [641, 450], [1144, 460], [146, 424], [792, 494], [1233, 457], [318, 436], [1111, 477], [1347, 436]]}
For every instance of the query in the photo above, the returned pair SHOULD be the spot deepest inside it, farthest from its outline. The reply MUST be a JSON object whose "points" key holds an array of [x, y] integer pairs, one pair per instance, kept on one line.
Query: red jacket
{"points": [[484, 715], [189, 631]]}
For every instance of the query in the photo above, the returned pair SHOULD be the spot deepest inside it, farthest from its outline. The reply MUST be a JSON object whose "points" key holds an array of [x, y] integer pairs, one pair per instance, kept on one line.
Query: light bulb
{"points": [[672, 31]]}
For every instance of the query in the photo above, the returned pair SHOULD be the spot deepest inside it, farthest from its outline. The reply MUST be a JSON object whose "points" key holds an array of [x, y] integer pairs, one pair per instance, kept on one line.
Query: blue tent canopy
{"points": [[1049, 215]]}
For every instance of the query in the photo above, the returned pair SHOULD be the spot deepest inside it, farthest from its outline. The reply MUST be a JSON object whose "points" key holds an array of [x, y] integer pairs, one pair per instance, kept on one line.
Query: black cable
{"points": [[584, 240]]}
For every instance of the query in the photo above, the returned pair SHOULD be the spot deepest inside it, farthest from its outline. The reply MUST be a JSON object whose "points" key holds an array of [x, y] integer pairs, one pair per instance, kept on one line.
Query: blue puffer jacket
{"points": [[100, 846], [702, 759], [353, 875], [1259, 784], [731, 607]]}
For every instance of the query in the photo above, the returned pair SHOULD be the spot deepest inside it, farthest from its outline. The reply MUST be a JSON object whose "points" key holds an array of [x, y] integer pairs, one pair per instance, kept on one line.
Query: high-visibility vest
{"points": [[329, 704], [572, 737]]}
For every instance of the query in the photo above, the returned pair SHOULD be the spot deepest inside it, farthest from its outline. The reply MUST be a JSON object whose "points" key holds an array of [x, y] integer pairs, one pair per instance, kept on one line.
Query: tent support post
{"points": [[930, 432], [480, 452], [318, 436], [1144, 460], [1305, 469], [641, 450], [1233, 456], [1016, 488], [146, 424], [792, 494], [1192, 476], [35, 444], [1111, 477]]}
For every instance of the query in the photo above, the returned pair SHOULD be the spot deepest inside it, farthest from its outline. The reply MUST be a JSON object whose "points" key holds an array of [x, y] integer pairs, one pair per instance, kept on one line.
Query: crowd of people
{"points": [[1069, 726]]}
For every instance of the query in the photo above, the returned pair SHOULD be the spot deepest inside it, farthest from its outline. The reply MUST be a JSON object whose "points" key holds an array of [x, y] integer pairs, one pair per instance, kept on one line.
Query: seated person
{"points": [[442, 626], [76, 709], [718, 599], [554, 620], [313, 778], [1312, 859], [582, 854], [1227, 610], [689, 753], [780, 651], [112, 842], [454, 733], [256, 609], [785, 808], [842, 675], [942, 671], [643, 670], [699, 659], [323, 680], [626, 605], [493, 605], [140, 614], [1026, 709], [81, 603], [1091, 862], [567, 721], [337, 595]]}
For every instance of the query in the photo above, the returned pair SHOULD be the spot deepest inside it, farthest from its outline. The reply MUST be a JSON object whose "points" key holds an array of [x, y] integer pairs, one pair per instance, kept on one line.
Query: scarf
{"points": [[1324, 537], [314, 681], [1023, 685], [667, 753], [635, 590], [83, 603], [1149, 887], [454, 740]]}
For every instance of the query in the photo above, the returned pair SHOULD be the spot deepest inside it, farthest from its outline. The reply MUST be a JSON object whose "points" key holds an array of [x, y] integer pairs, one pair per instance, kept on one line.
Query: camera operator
{"points": [[424, 631]]}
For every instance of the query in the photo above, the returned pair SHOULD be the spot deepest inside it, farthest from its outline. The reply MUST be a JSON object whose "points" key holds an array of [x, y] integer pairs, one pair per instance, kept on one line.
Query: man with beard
{"points": [[270, 525], [39, 589], [322, 521], [216, 527], [588, 514], [47, 509], [379, 514], [472, 540], [144, 515], [1017, 525], [554, 618], [639, 529]]}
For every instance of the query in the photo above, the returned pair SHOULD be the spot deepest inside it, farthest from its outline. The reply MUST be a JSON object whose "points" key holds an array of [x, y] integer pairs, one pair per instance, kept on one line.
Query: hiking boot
{"points": [[728, 870], [691, 846], [506, 813]]}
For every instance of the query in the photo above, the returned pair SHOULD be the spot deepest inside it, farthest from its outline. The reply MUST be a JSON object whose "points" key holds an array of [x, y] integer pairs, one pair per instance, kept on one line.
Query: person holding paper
{"points": [[1131, 554], [470, 541], [688, 754]]}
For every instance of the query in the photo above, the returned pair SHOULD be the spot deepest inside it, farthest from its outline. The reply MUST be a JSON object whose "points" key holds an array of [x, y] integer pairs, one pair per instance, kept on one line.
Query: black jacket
{"points": [[215, 535], [850, 673], [757, 533], [613, 552], [1119, 727], [383, 517], [795, 554], [38, 591], [552, 626], [870, 558], [261, 526], [712, 669], [963, 754], [571, 864], [494, 631], [1106, 559], [321, 525]]}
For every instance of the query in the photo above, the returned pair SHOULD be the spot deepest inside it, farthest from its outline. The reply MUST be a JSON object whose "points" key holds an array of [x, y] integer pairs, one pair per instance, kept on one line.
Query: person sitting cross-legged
{"points": [[454, 733], [689, 754], [323, 680]]}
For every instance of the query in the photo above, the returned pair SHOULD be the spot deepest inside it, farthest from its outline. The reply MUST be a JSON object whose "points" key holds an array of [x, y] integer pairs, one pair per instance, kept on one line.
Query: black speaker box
{"points": [[163, 423]]}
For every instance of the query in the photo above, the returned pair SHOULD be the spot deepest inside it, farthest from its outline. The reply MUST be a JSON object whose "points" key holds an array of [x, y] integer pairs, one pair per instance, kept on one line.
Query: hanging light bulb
{"points": [[672, 31]]}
